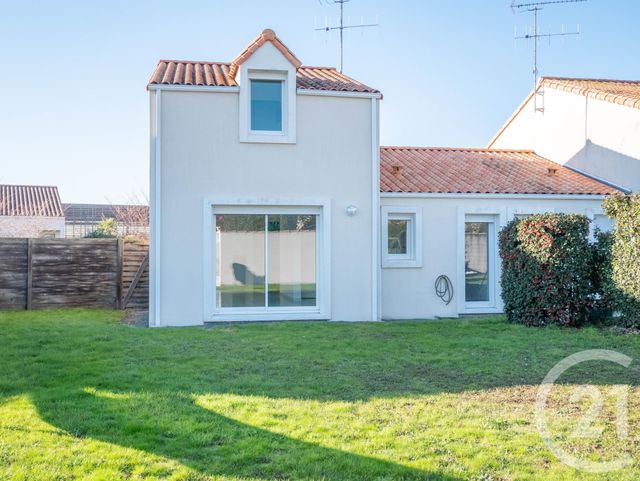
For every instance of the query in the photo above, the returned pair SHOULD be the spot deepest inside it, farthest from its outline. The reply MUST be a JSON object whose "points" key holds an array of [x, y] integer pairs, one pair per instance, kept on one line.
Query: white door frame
{"points": [[497, 219]]}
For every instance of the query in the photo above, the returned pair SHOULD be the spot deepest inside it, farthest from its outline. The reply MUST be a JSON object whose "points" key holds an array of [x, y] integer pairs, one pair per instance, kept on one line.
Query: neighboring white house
{"points": [[589, 125], [30, 211], [269, 200]]}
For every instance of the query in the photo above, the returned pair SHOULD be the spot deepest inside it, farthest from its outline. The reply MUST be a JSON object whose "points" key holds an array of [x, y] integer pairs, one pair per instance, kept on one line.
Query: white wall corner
{"points": [[376, 264], [155, 204]]}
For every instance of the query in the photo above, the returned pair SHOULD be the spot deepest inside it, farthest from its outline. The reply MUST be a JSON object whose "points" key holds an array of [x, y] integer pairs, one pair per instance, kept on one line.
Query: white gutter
{"points": [[194, 88], [445, 195], [235, 89], [333, 93]]}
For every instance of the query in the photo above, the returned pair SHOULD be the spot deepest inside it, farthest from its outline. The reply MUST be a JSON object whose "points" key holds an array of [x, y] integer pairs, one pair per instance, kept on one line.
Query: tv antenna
{"points": [[535, 34], [341, 26]]}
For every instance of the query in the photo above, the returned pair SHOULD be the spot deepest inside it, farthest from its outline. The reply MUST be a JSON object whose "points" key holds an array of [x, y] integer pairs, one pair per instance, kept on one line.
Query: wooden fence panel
{"points": [[45, 273], [13, 273], [134, 253], [74, 273]]}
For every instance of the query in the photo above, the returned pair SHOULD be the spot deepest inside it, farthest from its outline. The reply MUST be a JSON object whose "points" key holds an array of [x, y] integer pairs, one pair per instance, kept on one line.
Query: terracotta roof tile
{"points": [[222, 74], [326, 78], [483, 171], [267, 35], [30, 200], [623, 92], [216, 74]]}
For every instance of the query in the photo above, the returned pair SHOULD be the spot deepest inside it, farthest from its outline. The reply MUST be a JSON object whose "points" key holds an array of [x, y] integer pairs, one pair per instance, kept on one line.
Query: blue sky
{"points": [[74, 110]]}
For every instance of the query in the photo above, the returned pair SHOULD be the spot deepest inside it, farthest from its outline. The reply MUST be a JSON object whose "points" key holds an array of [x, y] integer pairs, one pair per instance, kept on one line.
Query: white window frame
{"points": [[319, 207], [492, 235], [288, 132], [413, 257], [591, 214]]}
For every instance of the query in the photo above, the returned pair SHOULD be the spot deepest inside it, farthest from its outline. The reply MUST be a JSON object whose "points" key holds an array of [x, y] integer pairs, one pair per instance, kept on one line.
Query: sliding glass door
{"points": [[266, 261]]}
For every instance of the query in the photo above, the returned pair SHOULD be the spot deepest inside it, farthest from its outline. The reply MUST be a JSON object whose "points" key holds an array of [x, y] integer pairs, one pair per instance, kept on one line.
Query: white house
{"points": [[589, 125], [30, 211], [264, 190], [271, 198]]}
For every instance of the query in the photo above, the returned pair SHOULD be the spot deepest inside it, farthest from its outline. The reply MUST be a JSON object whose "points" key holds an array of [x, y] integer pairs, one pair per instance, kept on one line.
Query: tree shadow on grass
{"points": [[137, 388], [174, 426]]}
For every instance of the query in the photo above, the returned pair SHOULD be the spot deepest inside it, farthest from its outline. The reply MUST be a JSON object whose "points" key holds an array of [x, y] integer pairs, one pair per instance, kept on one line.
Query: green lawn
{"points": [[85, 397]]}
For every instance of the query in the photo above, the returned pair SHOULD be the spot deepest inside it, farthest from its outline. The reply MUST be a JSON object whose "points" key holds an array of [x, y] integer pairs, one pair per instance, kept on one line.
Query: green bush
{"points": [[547, 270], [601, 275], [107, 228], [622, 281]]}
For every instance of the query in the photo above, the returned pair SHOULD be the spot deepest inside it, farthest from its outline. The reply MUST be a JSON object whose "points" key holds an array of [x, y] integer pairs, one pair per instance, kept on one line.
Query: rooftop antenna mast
{"points": [[535, 34], [342, 27]]}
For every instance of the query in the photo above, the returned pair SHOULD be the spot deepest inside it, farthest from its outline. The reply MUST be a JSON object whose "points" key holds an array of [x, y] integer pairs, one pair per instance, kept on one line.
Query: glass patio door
{"points": [[266, 261], [479, 261]]}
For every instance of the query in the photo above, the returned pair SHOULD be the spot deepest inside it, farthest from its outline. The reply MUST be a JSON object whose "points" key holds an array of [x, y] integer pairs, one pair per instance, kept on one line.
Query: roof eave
{"points": [[497, 195]]}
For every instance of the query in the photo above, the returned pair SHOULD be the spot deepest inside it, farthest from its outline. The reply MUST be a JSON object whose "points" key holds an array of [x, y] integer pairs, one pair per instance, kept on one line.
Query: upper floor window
{"points": [[266, 105]]}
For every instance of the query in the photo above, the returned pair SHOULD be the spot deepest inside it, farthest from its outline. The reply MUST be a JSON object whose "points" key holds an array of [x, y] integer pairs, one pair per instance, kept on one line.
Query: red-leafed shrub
{"points": [[547, 270]]}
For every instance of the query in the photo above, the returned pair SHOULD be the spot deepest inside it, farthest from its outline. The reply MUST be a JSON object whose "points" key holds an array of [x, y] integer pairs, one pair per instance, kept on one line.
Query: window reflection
{"points": [[476, 251]]}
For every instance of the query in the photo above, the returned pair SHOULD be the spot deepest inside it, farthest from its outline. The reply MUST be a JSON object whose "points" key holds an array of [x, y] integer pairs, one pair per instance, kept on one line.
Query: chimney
{"points": [[395, 169], [551, 171]]}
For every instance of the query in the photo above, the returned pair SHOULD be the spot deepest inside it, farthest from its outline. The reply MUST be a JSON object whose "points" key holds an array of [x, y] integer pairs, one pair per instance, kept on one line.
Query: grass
{"points": [[84, 397]]}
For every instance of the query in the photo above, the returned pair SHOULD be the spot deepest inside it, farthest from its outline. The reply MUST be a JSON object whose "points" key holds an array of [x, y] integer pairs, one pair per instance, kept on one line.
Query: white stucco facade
{"points": [[222, 190], [594, 136], [200, 162], [409, 292]]}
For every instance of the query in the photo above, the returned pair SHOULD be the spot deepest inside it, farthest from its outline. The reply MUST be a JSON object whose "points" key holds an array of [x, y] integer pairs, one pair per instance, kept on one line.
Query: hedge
{"points": [[601, 275], [547, 270], [621, 281]]}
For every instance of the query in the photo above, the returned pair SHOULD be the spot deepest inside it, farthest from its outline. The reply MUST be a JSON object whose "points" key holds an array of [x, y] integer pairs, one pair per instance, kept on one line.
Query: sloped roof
{"points": [[482, 171], [217, 74], [267, 35], [30, 200], [623, 92], [223, 74]]}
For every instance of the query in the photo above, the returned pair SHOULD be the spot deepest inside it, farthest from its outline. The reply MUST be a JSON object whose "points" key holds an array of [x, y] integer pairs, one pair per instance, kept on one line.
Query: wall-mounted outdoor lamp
{"points": [[351, 210]]}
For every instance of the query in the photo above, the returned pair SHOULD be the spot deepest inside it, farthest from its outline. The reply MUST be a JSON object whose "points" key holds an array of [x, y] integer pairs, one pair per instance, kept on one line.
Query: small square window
{"points": [[401, 237], [266, 105]]}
